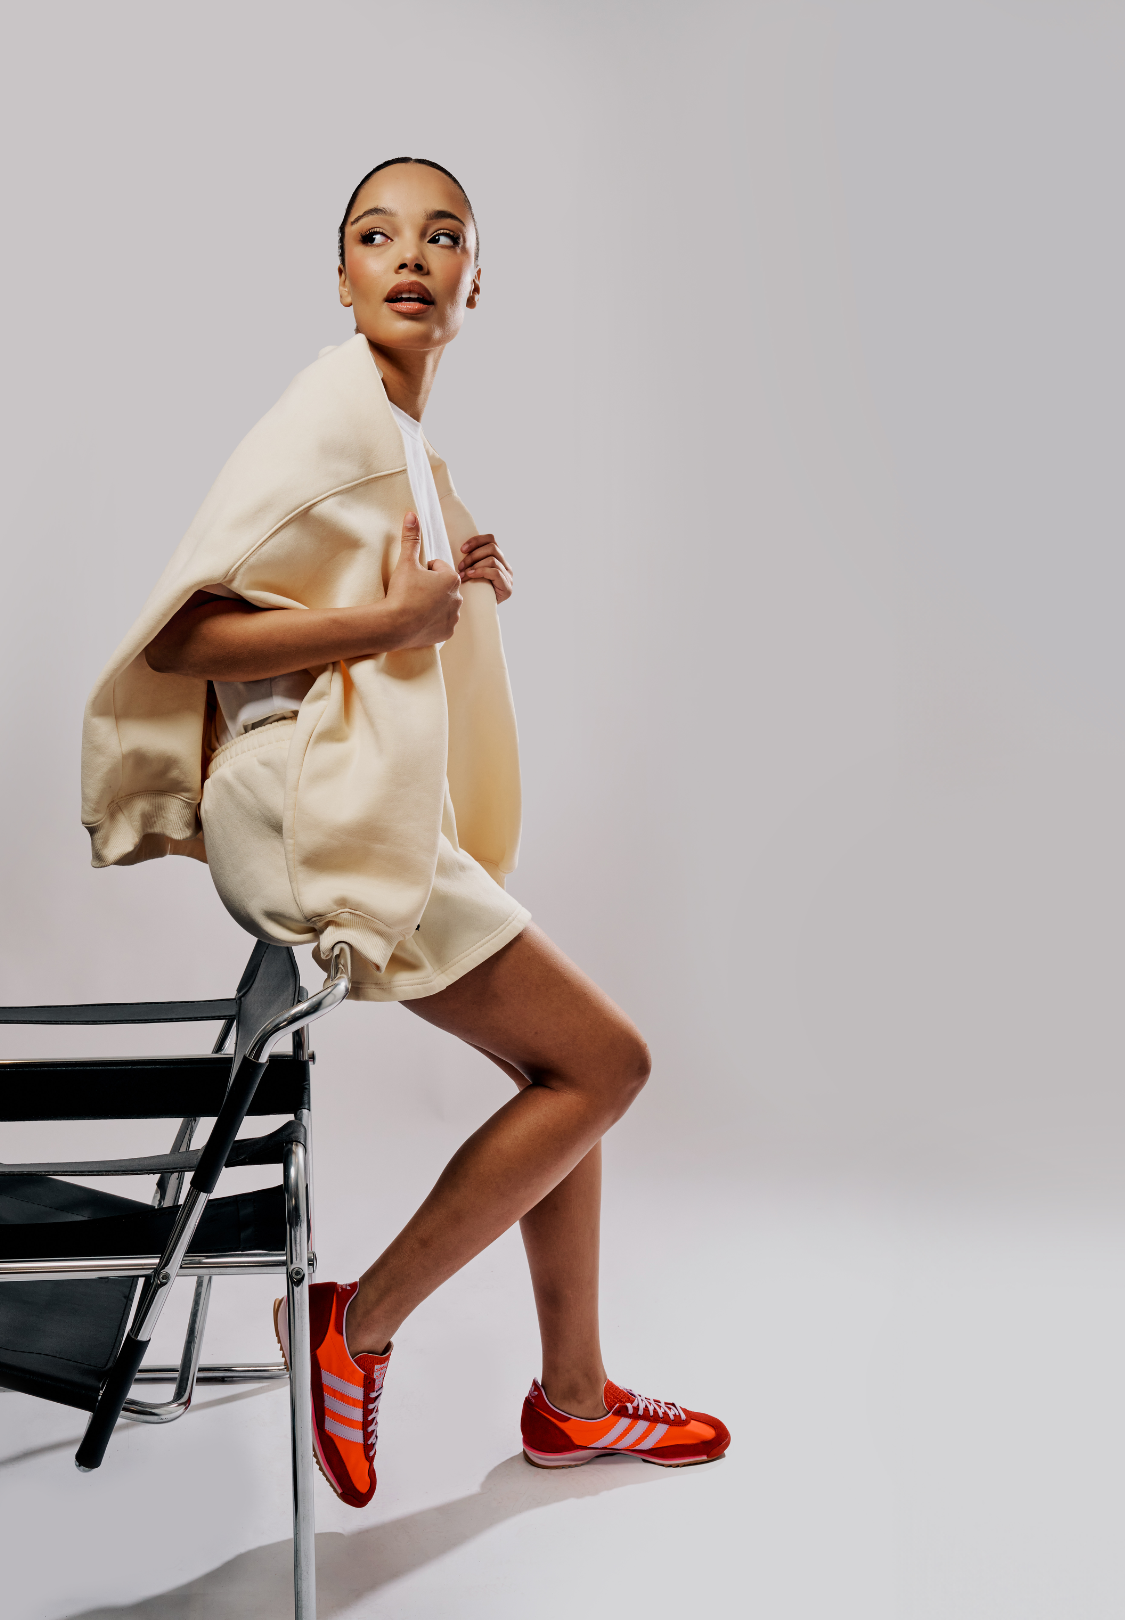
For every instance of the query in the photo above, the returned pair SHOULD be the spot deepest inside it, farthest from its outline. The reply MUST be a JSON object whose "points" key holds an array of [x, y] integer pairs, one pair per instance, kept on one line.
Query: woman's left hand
{"points": [[481, 558]]}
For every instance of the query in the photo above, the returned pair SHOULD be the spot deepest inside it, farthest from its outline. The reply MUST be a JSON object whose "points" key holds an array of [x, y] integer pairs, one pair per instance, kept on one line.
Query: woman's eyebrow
{"points": [[389, 212]]}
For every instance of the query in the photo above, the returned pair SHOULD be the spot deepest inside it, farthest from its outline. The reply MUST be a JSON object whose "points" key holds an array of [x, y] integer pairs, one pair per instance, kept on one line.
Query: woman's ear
{"points": [[345, 290], [474, 290]]}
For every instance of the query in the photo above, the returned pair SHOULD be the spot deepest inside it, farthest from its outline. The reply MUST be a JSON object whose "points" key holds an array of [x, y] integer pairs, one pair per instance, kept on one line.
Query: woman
{"points": [[349, 772]]}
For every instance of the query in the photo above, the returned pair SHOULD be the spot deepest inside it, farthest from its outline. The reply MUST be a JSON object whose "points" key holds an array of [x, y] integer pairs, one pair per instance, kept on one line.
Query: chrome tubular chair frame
{"points": [[181, 1254]]}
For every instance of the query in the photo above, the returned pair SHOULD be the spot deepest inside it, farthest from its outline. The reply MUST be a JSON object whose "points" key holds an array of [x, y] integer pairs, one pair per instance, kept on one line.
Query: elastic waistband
{"points": [[265, 735]]}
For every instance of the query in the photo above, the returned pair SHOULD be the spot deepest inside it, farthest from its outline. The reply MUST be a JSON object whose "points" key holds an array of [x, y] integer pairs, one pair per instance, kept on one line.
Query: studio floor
{"points": [[924, 1397]]}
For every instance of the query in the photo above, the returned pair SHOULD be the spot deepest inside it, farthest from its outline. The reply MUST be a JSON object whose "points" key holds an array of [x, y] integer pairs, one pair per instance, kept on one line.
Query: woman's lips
{"points": [[409, 297]]}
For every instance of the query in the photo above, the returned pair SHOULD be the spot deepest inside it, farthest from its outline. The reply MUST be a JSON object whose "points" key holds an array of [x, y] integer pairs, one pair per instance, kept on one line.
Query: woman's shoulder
{"points": [[330, 430], [333, 421]]}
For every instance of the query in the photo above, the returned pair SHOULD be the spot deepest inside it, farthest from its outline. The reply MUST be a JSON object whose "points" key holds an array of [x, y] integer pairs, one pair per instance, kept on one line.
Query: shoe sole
{"points": [[317, 1457], [576, 1459]]}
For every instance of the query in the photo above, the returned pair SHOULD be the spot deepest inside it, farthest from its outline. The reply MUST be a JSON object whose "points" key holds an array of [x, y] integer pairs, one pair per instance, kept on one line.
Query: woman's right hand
{"points": [[227, 639], [423, 601]]}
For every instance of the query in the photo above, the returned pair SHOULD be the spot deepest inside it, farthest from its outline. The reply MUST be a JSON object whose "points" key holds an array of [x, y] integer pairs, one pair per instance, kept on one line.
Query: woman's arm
{"points": [[220, 639]]}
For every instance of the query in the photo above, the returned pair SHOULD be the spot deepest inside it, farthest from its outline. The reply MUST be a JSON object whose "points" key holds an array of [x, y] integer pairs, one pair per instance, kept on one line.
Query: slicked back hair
{"points": [[389, 163]]}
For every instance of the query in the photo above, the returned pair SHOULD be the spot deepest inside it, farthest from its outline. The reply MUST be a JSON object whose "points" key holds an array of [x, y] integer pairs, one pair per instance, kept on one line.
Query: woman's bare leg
{"points": [[561, 1236], [562, 1241], [533, 1011]]}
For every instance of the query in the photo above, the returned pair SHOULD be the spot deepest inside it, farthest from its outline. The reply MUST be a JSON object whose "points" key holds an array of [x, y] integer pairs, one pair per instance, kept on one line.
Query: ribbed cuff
{"points": [[123, 830], [365, 934]]}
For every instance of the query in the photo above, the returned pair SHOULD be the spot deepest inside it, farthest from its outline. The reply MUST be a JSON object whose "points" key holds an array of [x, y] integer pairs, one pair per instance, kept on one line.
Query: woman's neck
{"points": [[407, 376]]}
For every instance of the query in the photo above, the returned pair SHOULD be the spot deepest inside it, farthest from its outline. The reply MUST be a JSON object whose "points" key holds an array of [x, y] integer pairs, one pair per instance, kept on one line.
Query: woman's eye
{"points": [[374, 235], [450, 236]]}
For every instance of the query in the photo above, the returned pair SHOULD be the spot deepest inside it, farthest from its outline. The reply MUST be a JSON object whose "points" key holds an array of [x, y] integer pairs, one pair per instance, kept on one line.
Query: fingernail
{"points": [[411, 520]]}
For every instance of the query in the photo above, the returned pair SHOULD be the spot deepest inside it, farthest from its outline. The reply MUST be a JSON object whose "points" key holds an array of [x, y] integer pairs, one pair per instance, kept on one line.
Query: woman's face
{"points": [[409, 249]]}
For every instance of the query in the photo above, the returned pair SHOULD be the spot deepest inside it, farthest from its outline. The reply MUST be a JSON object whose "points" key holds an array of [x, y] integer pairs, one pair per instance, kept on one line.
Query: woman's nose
{"points": [[417, 265]]}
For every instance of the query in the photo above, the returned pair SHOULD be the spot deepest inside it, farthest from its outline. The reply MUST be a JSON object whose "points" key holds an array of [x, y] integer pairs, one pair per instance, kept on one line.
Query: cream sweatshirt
{"points": [[307, 513]]}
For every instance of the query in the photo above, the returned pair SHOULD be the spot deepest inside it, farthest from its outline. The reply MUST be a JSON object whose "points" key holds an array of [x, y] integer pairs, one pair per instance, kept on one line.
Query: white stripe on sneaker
{"points": [[342, 1431], [618, 1428], [343, 1386], [638, 1439], [660, 1430], [331, 1404], [634, 1433]]}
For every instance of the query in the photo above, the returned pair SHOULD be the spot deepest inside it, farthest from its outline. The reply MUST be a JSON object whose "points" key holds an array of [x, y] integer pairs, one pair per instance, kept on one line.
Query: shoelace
{"points": [[373, 1396], [643, 1405]]}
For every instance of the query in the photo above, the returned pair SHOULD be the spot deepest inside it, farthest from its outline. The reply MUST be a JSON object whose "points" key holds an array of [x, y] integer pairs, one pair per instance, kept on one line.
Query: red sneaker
{"points": [[345, 1393], [656, 1431]]}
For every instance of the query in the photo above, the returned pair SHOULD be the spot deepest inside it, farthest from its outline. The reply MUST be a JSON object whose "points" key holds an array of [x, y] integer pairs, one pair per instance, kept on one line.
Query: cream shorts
{"points": [[467, 918]]}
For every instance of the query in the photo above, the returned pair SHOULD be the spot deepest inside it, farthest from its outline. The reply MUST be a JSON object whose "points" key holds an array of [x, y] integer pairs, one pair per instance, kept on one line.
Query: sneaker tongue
{"points": [[369, 1358], [370, 1362], [613, 1395]]}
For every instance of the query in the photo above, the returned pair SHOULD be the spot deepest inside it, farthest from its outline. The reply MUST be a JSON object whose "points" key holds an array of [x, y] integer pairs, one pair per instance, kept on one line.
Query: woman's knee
{"points": [[607, 1072], [630, 1067]]}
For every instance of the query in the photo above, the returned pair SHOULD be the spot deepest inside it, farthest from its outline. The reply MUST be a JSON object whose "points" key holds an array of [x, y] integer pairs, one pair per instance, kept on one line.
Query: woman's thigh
{"points": [[532, 1010]]}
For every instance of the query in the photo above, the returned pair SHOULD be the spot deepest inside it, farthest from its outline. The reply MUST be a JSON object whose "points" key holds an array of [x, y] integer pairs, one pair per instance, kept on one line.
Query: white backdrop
{"points": [[795, 398]]}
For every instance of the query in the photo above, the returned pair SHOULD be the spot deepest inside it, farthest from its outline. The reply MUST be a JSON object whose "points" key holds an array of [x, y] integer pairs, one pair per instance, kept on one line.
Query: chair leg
{"points": [[300, 1384], [169, 1411]]}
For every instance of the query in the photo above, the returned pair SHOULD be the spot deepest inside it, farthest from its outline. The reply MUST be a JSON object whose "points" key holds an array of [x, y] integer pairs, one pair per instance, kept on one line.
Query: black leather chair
{"points": [[85, 1274]]}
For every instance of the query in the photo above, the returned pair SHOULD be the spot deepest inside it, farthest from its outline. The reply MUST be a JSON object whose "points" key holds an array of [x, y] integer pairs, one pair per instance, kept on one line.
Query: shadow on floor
{"points": [[257, 1585], [73, 1441]]}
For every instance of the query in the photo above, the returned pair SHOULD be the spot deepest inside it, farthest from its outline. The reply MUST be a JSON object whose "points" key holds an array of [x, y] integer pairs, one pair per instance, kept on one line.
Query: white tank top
{"points": [[243, 704], [435, 541]]}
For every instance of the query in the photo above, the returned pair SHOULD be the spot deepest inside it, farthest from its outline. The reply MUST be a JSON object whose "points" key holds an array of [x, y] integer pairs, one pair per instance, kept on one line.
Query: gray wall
{"points": [[794, 396]]}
